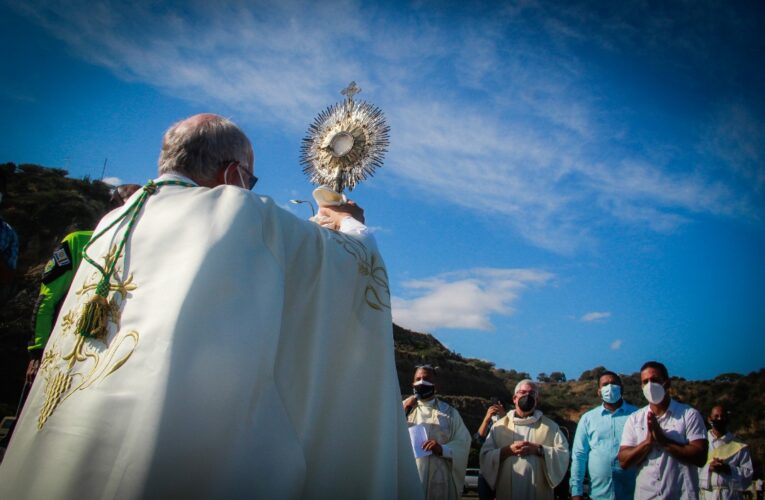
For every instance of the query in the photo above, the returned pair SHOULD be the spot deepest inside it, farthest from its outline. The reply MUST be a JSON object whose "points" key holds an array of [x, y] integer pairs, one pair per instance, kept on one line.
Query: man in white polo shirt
{"points": [[666, 440]]}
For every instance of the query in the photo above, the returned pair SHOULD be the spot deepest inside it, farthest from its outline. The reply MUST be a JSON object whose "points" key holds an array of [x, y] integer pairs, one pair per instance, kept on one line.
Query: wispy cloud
{"points": [[483, 114], [595, 316], [616, 344], [463, 299]]}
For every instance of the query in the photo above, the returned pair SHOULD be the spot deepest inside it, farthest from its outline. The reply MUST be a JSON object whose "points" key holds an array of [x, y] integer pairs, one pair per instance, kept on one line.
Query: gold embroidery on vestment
{"points": [[87, 360], [377, 292]]}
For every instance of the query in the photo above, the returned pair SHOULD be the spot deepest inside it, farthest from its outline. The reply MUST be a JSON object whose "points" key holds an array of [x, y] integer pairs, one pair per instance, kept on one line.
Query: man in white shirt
{"points": [[728, 471], [442, 469], [204, 346], [665, 440]]}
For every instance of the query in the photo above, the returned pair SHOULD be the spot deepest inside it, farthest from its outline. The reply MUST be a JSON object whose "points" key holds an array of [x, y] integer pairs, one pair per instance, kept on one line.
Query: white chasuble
{"points": [[442, 476], [238, 337], [531, 476]]}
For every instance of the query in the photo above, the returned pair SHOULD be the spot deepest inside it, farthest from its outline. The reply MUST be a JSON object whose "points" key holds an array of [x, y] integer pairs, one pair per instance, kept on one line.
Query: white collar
{"points": [[526, 420], [725, 438], [430, 403]]}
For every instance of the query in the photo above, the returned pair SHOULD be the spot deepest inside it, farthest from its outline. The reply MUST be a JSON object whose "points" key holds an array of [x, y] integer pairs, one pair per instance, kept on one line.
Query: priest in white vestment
{"points": [[442, 458], [728, 471], [209, 348], [525, 455]]}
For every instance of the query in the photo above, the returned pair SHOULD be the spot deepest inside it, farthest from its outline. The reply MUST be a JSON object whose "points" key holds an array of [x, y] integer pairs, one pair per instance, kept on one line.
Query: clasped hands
{"points": [[524, 448], [718, 466], [655, 434]]}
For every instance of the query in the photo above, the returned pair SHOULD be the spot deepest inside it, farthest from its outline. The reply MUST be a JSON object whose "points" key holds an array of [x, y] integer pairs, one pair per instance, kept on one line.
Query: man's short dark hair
{"points": [[612, 374], [428, 368], [722, 406], [656, 366]]}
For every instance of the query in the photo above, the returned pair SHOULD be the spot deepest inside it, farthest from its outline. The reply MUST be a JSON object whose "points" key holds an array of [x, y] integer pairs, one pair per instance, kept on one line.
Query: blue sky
{"points": [[568, 184]]}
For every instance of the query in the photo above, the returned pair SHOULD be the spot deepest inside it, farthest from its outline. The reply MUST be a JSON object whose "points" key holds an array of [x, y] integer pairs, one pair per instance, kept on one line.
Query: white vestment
{"points": [[530, 476], [239, 339], [442, 476], [730, 485]]}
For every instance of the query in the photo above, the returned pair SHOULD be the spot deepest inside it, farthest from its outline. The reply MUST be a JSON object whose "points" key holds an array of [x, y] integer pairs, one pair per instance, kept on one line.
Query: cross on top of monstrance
{"points": [[351, 90]]}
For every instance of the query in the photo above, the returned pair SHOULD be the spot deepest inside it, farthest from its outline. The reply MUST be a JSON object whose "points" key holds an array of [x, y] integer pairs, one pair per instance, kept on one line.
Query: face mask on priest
{"points": [[525, 399]]}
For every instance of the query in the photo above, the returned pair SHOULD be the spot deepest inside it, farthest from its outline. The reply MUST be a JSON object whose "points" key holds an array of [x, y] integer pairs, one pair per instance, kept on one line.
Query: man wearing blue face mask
{"points": [[666, 441], [596, 445]]}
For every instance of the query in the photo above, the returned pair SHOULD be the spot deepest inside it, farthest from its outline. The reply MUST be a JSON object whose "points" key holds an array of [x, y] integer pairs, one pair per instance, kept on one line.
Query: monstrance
{"points": [[343, 146]]}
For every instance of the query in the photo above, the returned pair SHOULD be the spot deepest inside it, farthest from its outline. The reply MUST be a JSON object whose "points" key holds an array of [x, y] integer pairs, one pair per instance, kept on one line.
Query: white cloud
{"points": [[616, 344], [595, 316], [112, 181], [463, 299], [498, 125]]}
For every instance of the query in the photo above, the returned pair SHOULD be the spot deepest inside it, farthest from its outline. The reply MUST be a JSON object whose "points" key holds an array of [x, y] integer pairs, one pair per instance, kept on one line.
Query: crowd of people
{"points": [[660, 451]]}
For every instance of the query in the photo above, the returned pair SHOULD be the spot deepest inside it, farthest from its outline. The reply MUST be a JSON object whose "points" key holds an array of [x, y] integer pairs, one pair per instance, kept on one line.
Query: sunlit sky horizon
{"points": [[569, 184]]}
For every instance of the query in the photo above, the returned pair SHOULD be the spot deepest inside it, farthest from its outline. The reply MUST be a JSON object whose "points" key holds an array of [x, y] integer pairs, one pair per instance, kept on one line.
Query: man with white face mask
{"points": [[596, 445], [666, 441], [444, 455]]}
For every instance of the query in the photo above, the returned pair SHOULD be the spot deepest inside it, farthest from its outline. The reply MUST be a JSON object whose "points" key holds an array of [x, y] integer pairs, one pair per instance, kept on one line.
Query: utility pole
{"points": [[103, 170]]}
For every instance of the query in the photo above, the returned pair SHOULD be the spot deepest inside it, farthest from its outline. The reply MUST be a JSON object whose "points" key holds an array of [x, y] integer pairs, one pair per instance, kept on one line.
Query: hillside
{"points": [[44, 204]]}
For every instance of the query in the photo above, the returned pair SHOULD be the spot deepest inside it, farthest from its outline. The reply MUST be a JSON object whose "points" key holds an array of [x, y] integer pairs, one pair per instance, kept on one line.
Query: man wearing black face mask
{"points": [[443, 459], [729, 469], [526, 454]]}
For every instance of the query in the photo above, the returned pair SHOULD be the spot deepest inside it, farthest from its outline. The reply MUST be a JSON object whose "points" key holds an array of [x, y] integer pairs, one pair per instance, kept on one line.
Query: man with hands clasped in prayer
{"points": [[526, 454], [666, 441]]}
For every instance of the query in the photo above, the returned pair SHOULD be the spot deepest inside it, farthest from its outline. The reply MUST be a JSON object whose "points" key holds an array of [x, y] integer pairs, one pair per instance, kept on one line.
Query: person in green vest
{"points": [[56, 279]]}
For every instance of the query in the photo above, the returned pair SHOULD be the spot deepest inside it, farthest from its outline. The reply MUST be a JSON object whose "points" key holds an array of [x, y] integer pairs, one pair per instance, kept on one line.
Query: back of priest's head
{"points": [[198, 146]]}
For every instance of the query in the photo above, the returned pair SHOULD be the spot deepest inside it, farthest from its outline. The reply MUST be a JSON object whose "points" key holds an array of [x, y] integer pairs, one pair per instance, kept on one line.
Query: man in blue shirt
{"points": [[596, 445]]}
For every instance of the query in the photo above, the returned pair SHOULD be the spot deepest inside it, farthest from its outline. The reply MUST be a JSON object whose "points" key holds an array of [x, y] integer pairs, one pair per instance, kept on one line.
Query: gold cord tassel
{"points": [[94, 318]]}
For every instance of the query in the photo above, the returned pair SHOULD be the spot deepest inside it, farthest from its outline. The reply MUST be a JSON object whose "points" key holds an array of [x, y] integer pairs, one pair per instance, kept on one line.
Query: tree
{"points": [[594, 374], [542, 377], [557, 377]]}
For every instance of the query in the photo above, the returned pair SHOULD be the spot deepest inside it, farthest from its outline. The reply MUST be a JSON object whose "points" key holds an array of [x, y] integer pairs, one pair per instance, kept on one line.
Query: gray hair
{"points": [[197, 148], [526, 381]]}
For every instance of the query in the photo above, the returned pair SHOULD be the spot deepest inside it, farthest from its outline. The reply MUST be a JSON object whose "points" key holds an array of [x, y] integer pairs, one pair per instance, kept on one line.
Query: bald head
{"points": [[201, 145]]}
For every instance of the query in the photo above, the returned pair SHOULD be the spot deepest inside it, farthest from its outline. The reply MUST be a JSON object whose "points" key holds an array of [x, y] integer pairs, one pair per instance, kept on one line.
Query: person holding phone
{"points": [[493, 413]]}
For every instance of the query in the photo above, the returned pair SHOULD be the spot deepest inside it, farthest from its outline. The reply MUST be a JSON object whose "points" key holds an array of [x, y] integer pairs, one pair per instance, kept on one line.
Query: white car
{"points": [[471, 480]]}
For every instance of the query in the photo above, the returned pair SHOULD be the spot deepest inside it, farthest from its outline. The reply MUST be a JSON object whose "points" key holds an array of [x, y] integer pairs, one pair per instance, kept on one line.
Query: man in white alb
{"points": [[206, 344], [728, 471], [526, 454], [666, 441], [447, 444]]}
